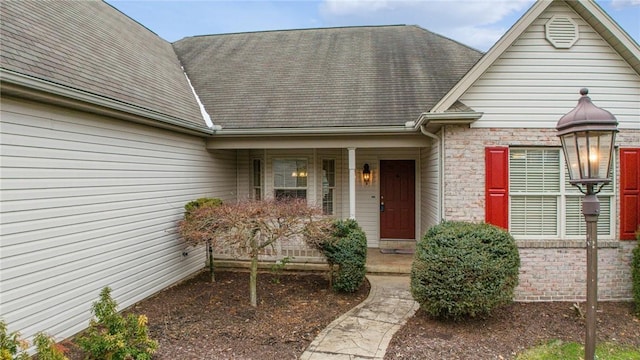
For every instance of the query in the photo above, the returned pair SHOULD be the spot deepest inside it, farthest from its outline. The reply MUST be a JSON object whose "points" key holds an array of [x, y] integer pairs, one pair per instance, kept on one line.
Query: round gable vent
{"points": [[561, 32]]}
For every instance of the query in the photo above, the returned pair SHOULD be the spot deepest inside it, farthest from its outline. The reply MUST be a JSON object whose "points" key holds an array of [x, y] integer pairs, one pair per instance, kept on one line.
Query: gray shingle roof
{"points": [[91, 46], [358, 76]]}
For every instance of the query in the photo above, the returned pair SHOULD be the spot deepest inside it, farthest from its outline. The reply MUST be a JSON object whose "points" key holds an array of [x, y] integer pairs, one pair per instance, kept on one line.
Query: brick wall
{"points": [[550, 270]]}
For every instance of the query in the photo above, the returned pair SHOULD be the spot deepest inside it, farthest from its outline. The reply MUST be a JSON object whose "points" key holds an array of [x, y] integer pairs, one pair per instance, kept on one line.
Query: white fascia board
{"points": [[625, 41], [20, 84], [316, 131], [446, 118]]}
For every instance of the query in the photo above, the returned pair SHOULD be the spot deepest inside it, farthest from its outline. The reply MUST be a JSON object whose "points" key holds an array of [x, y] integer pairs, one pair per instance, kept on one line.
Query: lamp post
{"points": [[588, 134]]}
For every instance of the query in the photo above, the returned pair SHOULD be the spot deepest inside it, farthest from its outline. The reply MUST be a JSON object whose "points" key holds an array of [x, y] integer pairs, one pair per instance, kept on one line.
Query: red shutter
{"points": [[497, 186], [629, 192]]}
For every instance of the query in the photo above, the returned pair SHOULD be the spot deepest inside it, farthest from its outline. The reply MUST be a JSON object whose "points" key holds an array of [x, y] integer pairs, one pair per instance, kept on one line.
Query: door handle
{"points": [[382, 206]]}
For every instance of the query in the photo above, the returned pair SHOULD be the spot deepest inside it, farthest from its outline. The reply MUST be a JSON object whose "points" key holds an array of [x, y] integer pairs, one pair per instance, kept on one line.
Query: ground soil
{"points": [[202, 320], [509, 330]]}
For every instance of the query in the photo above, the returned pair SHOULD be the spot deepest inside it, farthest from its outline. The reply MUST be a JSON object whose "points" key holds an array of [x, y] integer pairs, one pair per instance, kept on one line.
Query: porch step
{"points": [[397, 251], [398, 263]]}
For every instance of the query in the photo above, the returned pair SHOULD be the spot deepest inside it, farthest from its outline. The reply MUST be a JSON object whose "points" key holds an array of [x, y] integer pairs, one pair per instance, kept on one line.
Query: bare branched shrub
{"points": [[250, 227]]}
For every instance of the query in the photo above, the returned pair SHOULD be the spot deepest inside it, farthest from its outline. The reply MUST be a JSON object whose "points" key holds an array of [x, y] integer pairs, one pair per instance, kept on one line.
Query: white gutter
{"points": [[316, 131], [21, 82], [441, 119]]}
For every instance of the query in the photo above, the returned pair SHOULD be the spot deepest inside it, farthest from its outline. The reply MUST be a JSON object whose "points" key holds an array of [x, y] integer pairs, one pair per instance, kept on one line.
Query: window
{"points": [[328, 186], [256, 179], [290, 179], [543, 204]]}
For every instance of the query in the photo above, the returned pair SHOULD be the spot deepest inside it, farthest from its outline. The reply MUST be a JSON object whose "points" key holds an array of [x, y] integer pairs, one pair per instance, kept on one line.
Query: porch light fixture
{"points": [[366, 174], [588, 135]]}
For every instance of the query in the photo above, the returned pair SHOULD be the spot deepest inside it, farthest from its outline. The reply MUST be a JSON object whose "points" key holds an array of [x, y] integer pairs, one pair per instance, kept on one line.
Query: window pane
{"points": [[534, 215], [289, 173], [327, 202], [576, 224], [290, 194], [290, 179], [328, 184], [256, 179], [534, 170]]}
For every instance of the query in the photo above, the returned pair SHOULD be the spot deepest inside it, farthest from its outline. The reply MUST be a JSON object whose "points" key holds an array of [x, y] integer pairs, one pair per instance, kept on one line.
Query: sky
{"points": [[476, 23]]}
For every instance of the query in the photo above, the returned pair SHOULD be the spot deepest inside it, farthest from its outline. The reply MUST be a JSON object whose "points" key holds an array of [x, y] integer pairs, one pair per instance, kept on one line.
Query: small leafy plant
{"points": [[111, 336], [48, 349], [278, 268], [13, 347]]}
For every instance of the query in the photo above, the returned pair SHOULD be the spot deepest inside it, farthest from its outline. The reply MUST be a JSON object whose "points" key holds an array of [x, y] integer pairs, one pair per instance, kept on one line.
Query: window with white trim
{"points": [[543, 204], [256, 179], [328, 186], [290, 179]]}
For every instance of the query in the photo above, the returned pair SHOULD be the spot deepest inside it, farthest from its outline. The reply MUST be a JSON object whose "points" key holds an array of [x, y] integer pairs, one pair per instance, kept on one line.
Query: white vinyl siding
{"points": [[532, 83], [430, 187], [543, 205], [88, 202]]}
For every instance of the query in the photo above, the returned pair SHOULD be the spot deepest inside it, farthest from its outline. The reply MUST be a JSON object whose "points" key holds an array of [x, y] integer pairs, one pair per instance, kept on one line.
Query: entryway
{"points": [[397, 203]]}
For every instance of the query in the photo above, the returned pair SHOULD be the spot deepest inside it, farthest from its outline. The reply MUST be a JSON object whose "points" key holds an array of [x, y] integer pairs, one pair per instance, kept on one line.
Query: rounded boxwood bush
{"points": [[347, 249], [464, 270]]}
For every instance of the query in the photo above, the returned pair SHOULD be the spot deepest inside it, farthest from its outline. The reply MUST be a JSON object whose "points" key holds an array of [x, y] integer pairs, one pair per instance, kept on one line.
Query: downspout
{"points": [[440, 145]]}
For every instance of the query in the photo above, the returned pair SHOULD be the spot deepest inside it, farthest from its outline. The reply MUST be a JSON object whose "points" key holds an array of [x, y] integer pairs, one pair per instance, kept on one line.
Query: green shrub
{"points": [[111, 336], [278, 268], [635, 274], [346, 249], [194, 204], [464, 270], [47, 348], [12, 346]]}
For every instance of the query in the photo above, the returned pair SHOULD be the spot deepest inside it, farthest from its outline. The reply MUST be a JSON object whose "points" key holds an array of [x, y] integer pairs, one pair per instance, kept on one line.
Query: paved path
{"points": [[365, 331]]}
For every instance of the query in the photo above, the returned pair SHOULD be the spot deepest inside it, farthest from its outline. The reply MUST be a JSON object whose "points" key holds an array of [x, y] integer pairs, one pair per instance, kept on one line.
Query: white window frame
{"points": [[257, 189], [607, 197]]}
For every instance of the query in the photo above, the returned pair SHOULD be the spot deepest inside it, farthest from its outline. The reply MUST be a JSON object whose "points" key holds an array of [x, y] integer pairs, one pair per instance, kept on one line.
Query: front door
{"points": [[397, 199]]}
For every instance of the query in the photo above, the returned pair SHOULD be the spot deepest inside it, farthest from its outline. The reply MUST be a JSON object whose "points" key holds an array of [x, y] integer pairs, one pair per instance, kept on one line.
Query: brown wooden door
{"points": [[397, 199]]}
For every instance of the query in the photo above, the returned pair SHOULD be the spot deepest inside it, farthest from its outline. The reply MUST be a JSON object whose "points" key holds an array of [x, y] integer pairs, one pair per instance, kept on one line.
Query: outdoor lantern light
{"points": [[366, 174], [588, 135]]}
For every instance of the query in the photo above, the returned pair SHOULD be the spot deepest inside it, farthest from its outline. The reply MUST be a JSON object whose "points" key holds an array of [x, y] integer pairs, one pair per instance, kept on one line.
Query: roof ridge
{"points": [[302, 29]]}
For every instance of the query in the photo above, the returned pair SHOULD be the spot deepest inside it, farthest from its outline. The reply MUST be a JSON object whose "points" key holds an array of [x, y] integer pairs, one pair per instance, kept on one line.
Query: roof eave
{"points": [[29, 87], [319, 131], [616, 36], [433, 122]]}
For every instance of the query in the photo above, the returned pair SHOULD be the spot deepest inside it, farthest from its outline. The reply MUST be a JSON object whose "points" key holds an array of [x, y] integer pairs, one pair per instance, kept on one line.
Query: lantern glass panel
{"points": [[600, 147], [570, 146]]}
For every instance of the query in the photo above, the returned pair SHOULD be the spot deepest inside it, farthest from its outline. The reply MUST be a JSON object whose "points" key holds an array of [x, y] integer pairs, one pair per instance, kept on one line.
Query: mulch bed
{"points": [[510, 330], [198, 319], [201, 320]]}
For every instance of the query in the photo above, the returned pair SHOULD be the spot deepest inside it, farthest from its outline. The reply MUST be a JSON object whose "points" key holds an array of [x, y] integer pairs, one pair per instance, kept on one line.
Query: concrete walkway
{"points": [[365, 331]]}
